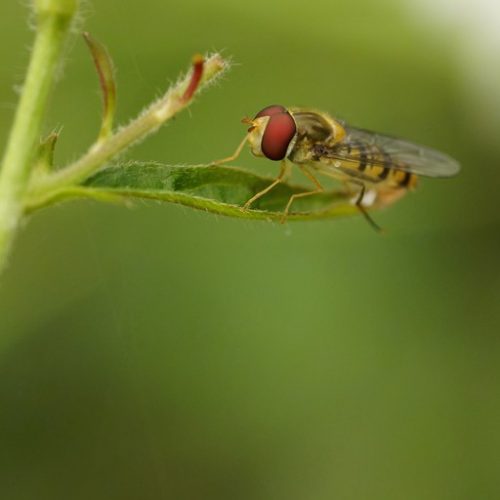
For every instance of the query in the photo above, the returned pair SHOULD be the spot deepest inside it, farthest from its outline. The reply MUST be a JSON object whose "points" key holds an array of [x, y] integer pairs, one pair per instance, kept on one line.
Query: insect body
{"points": [[364, 161]]}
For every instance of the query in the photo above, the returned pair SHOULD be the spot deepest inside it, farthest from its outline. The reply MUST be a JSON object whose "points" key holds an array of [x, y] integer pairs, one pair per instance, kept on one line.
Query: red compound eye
{"points": [[280, 130], [270, 111]]}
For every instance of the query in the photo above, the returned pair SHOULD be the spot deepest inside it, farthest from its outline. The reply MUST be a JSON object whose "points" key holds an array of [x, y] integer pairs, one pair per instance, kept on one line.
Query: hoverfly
{"points": [[366, 162]]}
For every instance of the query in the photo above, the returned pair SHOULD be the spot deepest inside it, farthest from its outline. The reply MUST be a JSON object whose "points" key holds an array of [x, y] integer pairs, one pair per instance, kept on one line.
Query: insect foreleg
{"points": [[234, 155], [283, 172]]}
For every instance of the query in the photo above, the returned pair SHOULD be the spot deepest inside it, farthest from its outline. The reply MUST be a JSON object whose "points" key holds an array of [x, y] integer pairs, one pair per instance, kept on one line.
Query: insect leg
{"points": [[281, 175], [362, 209], [234, 155], [319, 189]]}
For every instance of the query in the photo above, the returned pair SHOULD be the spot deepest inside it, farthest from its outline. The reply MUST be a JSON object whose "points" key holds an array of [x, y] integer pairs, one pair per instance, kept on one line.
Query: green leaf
{"points": [[45, 155], [219, 189]]}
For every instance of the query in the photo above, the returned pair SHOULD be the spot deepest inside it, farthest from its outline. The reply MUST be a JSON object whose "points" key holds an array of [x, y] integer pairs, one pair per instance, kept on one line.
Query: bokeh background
{"points": [[163, 353]]}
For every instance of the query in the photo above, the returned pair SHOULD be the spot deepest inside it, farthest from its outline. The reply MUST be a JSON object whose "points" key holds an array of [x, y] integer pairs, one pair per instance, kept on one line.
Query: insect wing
{"points": [[389, 152]]}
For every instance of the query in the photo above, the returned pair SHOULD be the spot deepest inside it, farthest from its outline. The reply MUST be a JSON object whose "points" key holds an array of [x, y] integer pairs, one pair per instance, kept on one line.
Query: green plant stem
{"points": [[52, 27], [104, 149]]}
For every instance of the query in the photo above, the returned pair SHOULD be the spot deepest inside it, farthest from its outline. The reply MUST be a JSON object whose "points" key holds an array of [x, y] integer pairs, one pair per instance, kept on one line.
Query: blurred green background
{"points": [[159, 352]]}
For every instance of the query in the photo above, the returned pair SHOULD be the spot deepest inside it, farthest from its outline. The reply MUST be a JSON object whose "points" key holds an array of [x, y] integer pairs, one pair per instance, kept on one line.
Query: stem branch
{"points": [[176, 99]]}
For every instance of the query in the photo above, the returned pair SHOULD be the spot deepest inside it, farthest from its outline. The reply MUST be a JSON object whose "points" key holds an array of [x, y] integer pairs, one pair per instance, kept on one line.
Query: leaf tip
{"points": [[45, 156], [196, 74], [105, 71]]}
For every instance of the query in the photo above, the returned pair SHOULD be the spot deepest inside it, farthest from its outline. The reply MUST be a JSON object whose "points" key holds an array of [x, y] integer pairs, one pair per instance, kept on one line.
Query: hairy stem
{"points": [[53, 22], [175, 100]]}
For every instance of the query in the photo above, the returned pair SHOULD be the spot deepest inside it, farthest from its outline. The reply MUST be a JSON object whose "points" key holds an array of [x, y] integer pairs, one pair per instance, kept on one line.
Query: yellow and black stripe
{"points": [[365, 162]]}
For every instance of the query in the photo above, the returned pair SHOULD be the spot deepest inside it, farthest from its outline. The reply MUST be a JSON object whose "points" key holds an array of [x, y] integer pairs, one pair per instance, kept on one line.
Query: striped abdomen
{"points": [[367, 163]]}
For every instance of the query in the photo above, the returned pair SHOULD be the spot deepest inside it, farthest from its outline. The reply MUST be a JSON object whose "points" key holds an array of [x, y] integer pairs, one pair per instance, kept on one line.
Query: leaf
{"points": [[45, 155], [219, 189], [105, 70]]}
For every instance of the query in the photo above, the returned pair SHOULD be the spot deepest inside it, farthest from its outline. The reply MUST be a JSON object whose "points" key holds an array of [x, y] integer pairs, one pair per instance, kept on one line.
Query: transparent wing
{"points": [[389, 152]]}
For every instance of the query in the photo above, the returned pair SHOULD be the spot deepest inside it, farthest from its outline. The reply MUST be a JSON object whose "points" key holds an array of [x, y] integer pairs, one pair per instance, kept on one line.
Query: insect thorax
{"points": [[313, 128], [317, 127]]}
